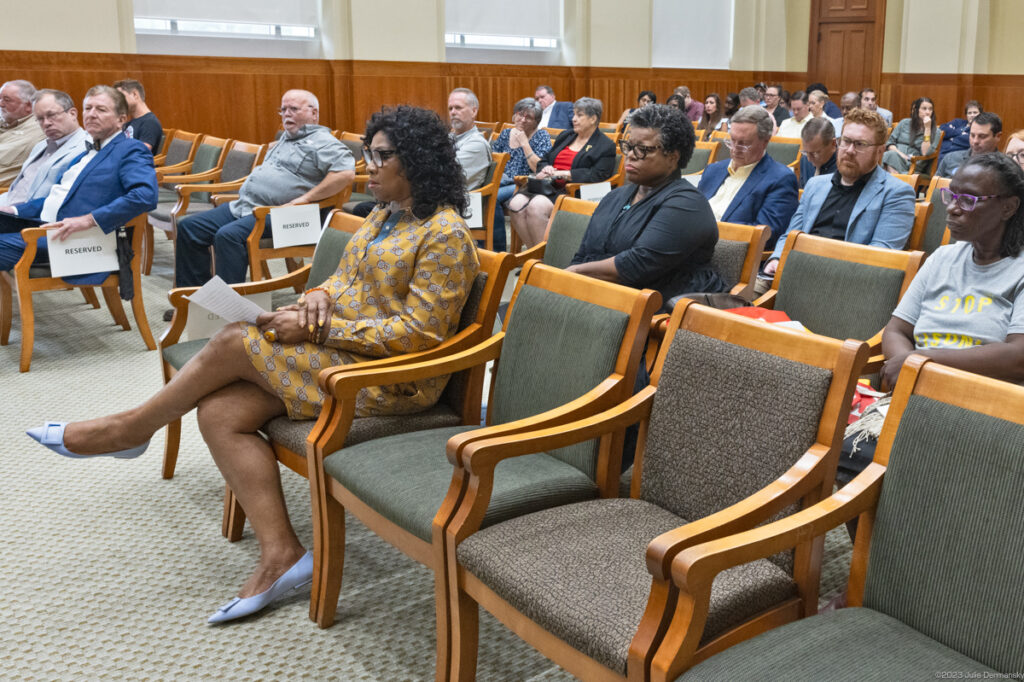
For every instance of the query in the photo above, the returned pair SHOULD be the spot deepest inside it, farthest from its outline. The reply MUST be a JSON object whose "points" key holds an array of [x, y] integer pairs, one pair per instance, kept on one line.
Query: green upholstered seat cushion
{"points": [[565, 238], [180, 353], [405, 478], [579, 571], [167, 194], [727, 260], [948, 540], [836, 298], [698, 161], [556, 349], [709, 445], [847, 644], [292, 434]]}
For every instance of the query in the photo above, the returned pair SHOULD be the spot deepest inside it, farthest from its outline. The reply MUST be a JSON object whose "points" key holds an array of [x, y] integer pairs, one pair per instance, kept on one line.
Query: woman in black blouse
{"points": [[656, 230], [581, 154]]}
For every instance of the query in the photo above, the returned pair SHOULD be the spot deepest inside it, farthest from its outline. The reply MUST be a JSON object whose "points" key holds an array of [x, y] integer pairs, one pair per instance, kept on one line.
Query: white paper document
{"points": [[475, 219], [220, 299], [295, 225], [594, 191], [203, 324], [83, 253]]}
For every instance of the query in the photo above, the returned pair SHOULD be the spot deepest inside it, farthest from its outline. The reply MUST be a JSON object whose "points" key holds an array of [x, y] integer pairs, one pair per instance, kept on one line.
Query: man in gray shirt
{"points": [[471, 149], [986, 132], [307, 164]]}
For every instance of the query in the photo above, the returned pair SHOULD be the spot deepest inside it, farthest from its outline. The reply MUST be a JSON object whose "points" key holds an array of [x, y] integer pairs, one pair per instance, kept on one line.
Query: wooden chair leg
{"points": [[172, 442], [6, 308], [233, 523], [465, 632], [147, 249], [28, 325], [139, 311], [90, 297], [113, 300], [332, 562]]}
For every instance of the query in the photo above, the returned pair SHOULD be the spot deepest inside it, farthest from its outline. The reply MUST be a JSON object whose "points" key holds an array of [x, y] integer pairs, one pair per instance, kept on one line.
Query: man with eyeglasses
{"points": [[986, 131], [57, 116], [818, 156], [18, 130], [860, 202], [773, 103], [750, 187], [305, 165]]}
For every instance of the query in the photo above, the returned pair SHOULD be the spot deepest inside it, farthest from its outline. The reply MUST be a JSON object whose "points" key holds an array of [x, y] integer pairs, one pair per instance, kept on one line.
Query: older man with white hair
{"points": [[305, 165], [19, 131], [471, 149]]}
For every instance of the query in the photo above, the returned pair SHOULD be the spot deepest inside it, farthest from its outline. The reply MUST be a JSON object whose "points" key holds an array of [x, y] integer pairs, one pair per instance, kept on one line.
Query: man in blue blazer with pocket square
{"points": [[751, 187], [860, 202], [110, 182]]}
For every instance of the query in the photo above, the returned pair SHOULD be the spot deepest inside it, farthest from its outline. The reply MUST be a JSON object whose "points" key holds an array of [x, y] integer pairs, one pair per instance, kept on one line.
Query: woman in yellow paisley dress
{"points": [[399, 288]]}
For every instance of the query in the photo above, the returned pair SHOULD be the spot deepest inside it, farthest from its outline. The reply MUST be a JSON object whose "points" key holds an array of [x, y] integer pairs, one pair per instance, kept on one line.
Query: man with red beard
{"points": [[860, 202]]}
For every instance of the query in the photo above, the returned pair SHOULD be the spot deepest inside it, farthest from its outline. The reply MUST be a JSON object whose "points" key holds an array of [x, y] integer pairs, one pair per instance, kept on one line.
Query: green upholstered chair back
{"points": [[237, 164], [489, 175], [177, 151], [709, 445], [935, 228], [205, 159], [564, 240], [698, 161], [327, 256], [948, 536], [354, 146], [727, 260], [837, 298], [455, 391], [556, 348], [784, 152]]}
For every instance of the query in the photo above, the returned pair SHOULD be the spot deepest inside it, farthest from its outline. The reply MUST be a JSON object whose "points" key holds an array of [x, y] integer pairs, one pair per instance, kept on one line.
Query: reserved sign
{"points": [[203, 324], [475, 219], [594, 191], [83, 253], [295, 225]]}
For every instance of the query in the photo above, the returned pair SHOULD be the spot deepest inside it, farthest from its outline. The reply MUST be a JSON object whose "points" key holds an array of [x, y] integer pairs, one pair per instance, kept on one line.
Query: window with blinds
{"points": [[523, 25]]}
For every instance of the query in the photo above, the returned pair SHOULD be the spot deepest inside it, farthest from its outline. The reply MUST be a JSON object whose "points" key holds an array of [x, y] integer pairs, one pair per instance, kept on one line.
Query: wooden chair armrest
{"points": [[521, 180], [359, 182], [30, 235], [192, 177], [788, 488], [573, 188], [695, 568], [766, 300], [158, 160], [218, 199], [232, 186], [873, 365], [534, 252], [176, 169]]}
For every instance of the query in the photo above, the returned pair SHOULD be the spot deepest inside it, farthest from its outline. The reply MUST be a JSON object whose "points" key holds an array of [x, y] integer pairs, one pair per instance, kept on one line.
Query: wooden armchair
{"points": [[29, 278], [935, 233], [354, 142], [589, 584], [839, 289], [922, 213], [924, 164], [209, 155], [615, 180], [786, 150], [704, 154], [159, 155], [934, 575], [907, 178], [396, 485], [180, 148], [488, 195], [488, 130], [564, 234]]}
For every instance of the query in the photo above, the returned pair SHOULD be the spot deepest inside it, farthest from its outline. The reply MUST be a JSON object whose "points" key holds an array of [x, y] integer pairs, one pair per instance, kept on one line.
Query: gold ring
{"points": [[270, 335]]}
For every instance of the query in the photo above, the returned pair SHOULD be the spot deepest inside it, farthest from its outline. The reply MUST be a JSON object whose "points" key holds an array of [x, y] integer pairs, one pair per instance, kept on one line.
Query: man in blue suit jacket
{"points": [[554, 114], [107, 185], [860, 202], [751, 187], [57, 116]]}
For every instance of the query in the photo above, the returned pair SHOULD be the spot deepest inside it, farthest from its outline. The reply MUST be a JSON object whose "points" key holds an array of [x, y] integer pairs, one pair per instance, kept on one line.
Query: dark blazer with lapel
{"points": [[118, 184], [768, 197], [594, 163], [561, 116]]}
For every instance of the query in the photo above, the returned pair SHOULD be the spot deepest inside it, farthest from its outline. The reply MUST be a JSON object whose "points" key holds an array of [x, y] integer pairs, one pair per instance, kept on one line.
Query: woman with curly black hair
{"points": [[400, 287], [656, 231]]}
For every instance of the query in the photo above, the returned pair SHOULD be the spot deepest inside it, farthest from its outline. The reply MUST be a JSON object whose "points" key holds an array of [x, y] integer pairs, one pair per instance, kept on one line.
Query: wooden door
{"points": [[845, 50]]}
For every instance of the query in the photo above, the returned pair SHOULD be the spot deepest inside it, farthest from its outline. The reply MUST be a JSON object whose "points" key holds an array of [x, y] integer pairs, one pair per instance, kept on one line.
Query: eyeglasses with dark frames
{"points": [[638, 150], [378, 156], [857, 145], [965, 202]]}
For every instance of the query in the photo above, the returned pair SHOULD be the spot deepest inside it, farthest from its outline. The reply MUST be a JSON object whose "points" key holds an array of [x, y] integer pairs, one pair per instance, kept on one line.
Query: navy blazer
{"points": [[807, 169], [118, 184], [882, 216], [561, 116], [594, 163], [768, 197]]}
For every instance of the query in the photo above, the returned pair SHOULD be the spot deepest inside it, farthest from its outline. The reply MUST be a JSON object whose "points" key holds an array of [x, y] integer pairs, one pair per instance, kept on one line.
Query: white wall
{"points": [[692, 34]]}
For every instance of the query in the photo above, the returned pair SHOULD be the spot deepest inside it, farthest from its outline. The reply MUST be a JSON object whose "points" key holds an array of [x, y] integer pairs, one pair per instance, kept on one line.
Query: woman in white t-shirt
{"points": [[964, 308]]}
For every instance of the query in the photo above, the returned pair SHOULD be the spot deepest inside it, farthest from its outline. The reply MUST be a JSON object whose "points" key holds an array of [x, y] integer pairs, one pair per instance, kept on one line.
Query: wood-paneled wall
{"points": [[238, 98]]}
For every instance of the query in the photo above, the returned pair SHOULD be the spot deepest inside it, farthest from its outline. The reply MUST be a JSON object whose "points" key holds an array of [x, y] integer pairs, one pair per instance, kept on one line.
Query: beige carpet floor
{"points": [[108, 571]]}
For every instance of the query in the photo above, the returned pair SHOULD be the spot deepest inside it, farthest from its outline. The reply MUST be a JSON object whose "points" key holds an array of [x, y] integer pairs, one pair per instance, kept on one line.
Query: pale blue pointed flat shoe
{"points": [[51, 434], [300, 575]]}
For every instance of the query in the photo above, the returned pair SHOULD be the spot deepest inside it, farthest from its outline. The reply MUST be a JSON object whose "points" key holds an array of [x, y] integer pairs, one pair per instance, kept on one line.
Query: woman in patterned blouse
{"points": [[525, 144], [400, 287]]}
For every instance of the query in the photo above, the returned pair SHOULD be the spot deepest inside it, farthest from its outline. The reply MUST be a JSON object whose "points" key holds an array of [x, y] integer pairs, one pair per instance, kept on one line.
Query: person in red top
{"points": [[582, 154]]}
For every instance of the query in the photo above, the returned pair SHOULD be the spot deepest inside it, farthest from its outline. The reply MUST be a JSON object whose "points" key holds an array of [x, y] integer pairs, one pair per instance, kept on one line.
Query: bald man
{"points": [[305, 165]]}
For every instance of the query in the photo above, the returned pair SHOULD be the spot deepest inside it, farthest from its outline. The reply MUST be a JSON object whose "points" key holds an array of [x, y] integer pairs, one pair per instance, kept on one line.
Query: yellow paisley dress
{"points": [[402, 294]]}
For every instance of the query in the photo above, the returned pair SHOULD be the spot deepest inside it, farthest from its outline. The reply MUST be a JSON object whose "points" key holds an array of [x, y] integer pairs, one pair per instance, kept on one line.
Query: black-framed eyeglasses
{"points": [[378, 156], [965, 202], [52, 116], [1018, 157], [638, 150], [293, 110], [856, 145]]}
